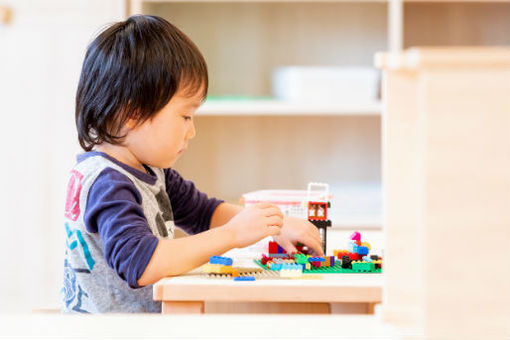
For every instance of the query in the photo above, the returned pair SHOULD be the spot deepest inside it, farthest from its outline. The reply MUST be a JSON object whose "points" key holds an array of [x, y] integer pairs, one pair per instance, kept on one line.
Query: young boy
{"points": [[141, 83]]}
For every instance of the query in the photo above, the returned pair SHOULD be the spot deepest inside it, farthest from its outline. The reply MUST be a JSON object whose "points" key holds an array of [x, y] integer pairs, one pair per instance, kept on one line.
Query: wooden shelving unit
{"points": [[248, 145], [281, 108]]}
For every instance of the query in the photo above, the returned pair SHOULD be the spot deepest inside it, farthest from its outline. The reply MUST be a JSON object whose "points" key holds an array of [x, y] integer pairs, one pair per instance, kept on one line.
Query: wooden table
{"points": [[187, 293]]}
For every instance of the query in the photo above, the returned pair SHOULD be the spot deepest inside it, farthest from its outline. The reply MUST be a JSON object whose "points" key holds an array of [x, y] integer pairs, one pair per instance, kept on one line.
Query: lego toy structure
{"points": [[317, 202], [354, 259]]}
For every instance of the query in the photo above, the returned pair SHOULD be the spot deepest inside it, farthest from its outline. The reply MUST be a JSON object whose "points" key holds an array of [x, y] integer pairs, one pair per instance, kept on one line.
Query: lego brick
{"points": [[362, 251], [356, 236], [216, 269], [272, 247], [301, 258], [316, 259], [363, 267], [346, 262], [227, 261], [244, 278], [366, 244]]}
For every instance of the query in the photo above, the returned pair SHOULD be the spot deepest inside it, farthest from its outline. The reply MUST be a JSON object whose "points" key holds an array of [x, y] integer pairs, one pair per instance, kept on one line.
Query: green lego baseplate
{"points": [[336, 269]]}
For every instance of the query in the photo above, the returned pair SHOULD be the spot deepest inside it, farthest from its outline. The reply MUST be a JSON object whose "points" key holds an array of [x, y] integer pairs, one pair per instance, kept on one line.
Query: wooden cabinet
{"points": [[447, 191]]}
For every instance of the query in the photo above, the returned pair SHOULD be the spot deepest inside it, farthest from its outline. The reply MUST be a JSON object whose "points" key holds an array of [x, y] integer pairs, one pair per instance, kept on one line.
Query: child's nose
{"points": [[191, 131]]}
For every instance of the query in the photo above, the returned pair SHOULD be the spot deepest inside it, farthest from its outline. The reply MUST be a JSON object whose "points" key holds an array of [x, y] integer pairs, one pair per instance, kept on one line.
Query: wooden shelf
{"points": [[136, 3], [281, 108]]}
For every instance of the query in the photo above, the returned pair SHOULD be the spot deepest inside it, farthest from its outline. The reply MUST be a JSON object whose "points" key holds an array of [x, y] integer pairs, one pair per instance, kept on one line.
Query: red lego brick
{"points": [[272, 247]]}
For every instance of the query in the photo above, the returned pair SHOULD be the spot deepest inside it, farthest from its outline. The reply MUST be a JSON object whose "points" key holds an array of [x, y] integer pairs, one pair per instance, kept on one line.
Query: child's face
{"points": [[161, 140]]}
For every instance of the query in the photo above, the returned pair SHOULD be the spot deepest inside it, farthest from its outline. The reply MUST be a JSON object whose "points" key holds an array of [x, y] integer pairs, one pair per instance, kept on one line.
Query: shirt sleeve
{"points": [[192, 209], [114, 210]]}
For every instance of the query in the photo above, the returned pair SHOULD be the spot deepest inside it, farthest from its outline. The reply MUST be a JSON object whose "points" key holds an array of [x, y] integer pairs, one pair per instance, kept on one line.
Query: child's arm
{"points": [[224, 213], [177, 256]]}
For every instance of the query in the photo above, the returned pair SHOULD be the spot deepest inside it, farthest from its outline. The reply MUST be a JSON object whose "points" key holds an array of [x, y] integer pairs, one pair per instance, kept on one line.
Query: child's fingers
{"points": [[273, 211], [273, 230], [313, 232], [274, 220], [288, 246], [316, 246]]}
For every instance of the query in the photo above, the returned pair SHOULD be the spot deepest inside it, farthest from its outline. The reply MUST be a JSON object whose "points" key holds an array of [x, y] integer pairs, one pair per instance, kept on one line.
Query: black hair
{"points": [[131, 71]]}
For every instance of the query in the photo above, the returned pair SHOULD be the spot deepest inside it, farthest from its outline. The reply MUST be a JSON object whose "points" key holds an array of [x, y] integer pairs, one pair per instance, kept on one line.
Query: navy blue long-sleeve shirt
{"points": [[117, 214]]}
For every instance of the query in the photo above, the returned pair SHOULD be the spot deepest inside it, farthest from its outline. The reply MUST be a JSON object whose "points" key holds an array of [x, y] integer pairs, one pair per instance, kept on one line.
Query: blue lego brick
{"points": [[244, 278], [226, 261], [362, 250], [316, 259], [276, 266]]}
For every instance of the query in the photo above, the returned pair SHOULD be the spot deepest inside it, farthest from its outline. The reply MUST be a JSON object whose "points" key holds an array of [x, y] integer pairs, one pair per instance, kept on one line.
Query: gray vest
{"points": [[90, 285]]}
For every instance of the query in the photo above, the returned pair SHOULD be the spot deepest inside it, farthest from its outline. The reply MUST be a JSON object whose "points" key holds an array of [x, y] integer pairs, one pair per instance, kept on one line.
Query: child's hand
{"points": [[255, 223], [298, 230]]}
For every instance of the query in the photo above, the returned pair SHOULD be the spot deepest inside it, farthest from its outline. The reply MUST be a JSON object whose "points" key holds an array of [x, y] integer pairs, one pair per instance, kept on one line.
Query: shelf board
{"points": [[314, 1], [281, 108]]}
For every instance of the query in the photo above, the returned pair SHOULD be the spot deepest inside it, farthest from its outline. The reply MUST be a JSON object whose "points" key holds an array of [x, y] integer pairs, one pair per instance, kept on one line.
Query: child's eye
{"points": [[187, 118]]}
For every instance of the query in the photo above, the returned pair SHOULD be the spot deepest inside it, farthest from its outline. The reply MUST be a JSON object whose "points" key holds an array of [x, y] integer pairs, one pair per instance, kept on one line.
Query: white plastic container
{"points": [[352, 84], [291, 202]]}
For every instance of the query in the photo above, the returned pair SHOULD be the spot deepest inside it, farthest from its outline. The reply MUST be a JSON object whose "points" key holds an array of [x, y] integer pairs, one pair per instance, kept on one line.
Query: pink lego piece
{"points": [[356, 236]]}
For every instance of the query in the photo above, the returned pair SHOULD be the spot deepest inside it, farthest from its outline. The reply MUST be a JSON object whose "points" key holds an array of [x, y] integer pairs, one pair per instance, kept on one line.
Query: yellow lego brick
{"points": [[216, 269], [366, 244], [225, 269]]}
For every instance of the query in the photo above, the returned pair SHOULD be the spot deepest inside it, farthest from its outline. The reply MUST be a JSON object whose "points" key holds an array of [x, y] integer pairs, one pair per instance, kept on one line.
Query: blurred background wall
{"points": [[41, 50]]}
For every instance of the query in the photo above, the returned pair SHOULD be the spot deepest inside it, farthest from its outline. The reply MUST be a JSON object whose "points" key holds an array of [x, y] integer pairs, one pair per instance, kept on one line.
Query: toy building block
{"points": [[211, 268], [276, 266], [346, 262], [366, 244], [356, 236], [366, 259], [301, 248], [362, 267], [275, 248], [317, 199], [377, 263], [226, 261], [291, 270], [301, 258], [316, 259], [272, 247], [244, 278], [362, 250], [330, 261]]}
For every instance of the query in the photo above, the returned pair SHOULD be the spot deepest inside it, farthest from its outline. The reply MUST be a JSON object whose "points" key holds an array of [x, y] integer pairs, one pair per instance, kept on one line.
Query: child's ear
{"points": [[130, 123]]}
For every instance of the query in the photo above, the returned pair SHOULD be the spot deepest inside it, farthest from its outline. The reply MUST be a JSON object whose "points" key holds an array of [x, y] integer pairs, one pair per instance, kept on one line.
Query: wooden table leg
{"points": [[371, 308], [182, 307]]}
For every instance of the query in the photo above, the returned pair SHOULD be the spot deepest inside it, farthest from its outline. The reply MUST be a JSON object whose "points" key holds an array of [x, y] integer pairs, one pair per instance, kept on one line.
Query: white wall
{"points": [[41, 52]]}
